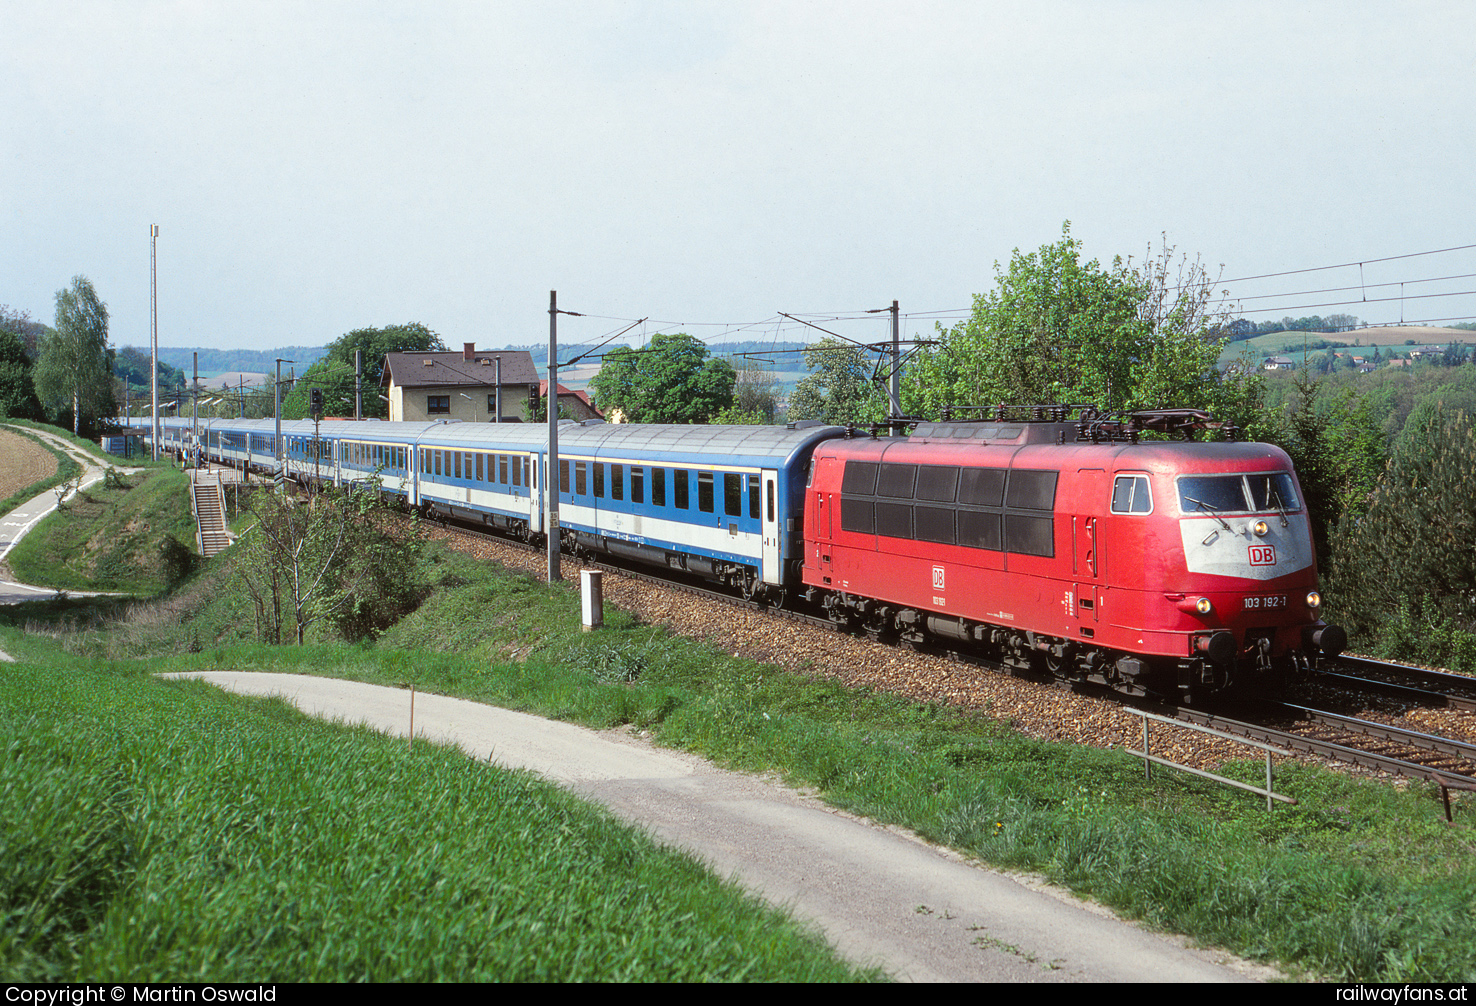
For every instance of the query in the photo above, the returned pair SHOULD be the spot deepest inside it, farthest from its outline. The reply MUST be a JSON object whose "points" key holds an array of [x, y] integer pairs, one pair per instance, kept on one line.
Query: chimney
{"points": [[468, 350]]}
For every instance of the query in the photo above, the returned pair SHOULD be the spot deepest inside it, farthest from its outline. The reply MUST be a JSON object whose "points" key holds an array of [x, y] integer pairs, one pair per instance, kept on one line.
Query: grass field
{"points": [[164, 831]]}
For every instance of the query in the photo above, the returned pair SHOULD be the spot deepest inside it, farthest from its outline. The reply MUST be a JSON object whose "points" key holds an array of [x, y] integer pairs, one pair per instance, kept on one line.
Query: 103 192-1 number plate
{"points": [[1266, 601]]}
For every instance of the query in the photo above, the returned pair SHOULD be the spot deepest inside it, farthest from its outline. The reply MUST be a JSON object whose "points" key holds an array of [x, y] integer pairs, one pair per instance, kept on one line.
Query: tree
{"points": [[334, 372], [337, 555], [1056, 330], [755, 399], [1411, 558], [74, 360], [671, 380], [838, 389], [17, 390]]}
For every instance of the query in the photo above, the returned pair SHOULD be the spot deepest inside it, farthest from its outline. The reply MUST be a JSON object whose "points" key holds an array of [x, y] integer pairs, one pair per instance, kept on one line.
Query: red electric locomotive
{"points": [[1170, 567]]}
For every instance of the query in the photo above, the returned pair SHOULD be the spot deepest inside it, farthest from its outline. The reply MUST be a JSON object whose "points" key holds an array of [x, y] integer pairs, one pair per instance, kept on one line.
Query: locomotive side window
{"points": [[858, 515], [1032, 490], [896, 481], [858, 483], [859, 478], [934, 523], [1130, 494], [1029, 535], [937, 482], [893, 519], [979, 530], [981, 486]]}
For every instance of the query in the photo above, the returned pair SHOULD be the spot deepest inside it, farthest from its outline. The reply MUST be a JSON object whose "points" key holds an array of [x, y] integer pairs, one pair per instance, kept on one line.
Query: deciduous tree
{"points": [[74, 360], [673, 379], [337, 555], [1057, 330], [1411, 557], [838, 389], [334, 372]]}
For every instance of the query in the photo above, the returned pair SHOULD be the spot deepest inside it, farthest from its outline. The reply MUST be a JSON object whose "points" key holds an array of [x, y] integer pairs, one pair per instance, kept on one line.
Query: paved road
{"points": [[881, 895], [14, 525]]}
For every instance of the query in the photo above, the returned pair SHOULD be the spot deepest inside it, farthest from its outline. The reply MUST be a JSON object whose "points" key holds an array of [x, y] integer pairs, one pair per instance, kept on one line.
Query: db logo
{"points": [[938, 578], [1263, 555]]}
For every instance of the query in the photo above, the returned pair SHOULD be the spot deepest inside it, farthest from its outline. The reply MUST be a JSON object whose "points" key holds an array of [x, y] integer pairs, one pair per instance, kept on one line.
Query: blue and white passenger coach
{"points": [[723, 502]]}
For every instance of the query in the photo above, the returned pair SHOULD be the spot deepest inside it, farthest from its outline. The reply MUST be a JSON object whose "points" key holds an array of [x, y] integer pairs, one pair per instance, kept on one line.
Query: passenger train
{"points": [[1083, 549]]}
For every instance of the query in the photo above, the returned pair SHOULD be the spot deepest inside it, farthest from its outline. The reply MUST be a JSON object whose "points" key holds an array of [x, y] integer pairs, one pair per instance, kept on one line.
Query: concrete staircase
{"points": [[208, 503]]}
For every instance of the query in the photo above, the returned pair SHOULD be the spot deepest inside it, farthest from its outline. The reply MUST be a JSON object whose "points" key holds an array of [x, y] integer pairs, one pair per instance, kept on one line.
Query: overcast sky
{"points": [[319, 167]]}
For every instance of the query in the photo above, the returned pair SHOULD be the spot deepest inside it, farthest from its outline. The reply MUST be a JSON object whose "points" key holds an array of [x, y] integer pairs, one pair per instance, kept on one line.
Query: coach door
{"points": [[773, 567]]}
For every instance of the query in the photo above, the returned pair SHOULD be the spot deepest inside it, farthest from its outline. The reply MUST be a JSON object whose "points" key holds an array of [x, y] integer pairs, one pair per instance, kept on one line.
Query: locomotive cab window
{"points": [[1130, 494], [1268, 492]]}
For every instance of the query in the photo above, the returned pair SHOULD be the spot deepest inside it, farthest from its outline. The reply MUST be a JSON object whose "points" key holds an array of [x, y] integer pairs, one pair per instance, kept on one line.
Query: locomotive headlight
{"points": [[1314, 599], [1203, 606], [1260, 528]]}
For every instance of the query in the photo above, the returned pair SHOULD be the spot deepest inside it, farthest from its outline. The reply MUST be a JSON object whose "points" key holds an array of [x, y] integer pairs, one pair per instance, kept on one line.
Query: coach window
{"points": [[527, 471], [517, 470], [637, 484], [682, 495], [658, 487], [617, 482], [581, 486], [1130, 494], [564, 477], [733, 494], [753, 496], [704, 492], [438, 462], [502, 468], [479, 466], [599, 478]]}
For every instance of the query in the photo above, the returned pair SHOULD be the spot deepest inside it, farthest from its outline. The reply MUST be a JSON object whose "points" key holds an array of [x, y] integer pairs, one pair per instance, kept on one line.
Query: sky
{"points": [[316, 167]]}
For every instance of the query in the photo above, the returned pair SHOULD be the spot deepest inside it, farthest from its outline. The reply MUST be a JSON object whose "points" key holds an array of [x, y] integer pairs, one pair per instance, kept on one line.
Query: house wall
{"points": [[409, 404]]}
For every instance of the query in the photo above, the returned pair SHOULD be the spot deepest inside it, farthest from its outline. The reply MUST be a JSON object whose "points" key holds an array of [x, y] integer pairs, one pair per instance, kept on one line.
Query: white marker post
{"points": [[592, 598]]}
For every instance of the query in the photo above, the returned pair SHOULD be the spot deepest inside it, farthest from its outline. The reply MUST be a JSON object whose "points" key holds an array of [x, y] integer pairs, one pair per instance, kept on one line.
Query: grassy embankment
{"points": [[1361, 881], [134, 535], [164, 831]]}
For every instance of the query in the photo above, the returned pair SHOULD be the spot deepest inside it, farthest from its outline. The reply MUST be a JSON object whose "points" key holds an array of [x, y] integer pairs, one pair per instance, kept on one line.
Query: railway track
{"points": [[1411, 684]]}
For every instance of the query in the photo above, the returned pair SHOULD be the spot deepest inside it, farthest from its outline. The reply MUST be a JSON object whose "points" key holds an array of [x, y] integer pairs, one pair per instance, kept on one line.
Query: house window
{"points": [[438, 405]]}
